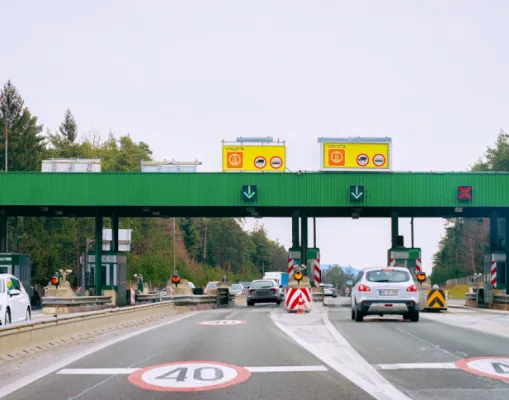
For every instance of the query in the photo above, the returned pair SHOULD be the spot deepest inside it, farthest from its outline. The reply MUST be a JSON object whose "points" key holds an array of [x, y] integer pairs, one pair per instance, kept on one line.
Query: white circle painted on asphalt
{"points": [[222, 322], [189, 376], [491, 367]]}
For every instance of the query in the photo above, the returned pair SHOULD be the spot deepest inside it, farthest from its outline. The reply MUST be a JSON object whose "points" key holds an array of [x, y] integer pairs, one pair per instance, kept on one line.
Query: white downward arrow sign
{"points": [[357, 194]]}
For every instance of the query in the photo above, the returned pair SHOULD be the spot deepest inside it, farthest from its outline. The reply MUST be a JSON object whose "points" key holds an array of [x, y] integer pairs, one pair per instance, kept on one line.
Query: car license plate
{"points": [[263, 292], [388, 292]]}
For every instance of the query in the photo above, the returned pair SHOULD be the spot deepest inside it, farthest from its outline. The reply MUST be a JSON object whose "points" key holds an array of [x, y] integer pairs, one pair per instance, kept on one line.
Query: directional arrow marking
{"points": [[249, 193], [357, 194]]}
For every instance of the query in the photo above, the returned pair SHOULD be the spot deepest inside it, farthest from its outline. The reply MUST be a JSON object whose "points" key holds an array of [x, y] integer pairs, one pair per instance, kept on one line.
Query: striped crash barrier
{"points": [[294, 296]]}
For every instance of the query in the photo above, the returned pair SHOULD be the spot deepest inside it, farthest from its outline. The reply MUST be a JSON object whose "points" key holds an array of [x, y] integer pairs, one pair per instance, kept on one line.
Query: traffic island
{"points": [[60, 298]]}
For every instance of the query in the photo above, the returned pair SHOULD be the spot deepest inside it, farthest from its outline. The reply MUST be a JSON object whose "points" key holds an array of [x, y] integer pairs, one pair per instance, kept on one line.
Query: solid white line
{"points": [[418, 366], [298, 368], [342, 357], [20, 383], [97, 371]]}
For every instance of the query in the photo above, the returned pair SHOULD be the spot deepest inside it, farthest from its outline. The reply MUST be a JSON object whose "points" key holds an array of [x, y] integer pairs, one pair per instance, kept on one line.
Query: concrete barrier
{"points": [[35, 336]]}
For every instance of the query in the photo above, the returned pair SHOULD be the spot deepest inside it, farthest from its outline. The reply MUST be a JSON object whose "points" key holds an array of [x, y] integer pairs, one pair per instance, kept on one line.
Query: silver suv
{"points": [[390, 290]]}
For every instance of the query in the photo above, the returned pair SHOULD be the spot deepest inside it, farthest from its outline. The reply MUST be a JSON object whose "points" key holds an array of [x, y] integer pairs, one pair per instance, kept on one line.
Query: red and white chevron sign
{"points": [[292, 296], [418, 265]]}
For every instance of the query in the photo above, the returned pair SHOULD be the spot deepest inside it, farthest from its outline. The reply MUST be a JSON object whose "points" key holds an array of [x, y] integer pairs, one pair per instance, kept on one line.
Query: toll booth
{"points": [[113, 274], [19, 265], [405, 257], [293, 259], [313, 266]]}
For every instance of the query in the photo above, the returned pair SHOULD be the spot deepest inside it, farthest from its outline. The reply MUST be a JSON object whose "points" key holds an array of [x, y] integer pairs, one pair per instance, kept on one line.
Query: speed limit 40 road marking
{"points": [[189, 376]]}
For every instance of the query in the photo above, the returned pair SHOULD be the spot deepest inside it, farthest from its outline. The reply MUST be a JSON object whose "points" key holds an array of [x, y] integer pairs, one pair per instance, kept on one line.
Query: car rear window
{"points": [[387, 275], [236, 286], [262, 285], [328, 286], [211, 286]]}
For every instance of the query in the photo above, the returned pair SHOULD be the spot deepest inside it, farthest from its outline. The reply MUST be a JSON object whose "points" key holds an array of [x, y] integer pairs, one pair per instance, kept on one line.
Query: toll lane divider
{"points": [[30, 337]]}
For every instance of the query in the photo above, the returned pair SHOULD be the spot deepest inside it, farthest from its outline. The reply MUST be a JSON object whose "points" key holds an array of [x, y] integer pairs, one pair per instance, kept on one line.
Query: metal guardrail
{"points": [[501, 299], [75, 301], [153, 297], [191, 299]]}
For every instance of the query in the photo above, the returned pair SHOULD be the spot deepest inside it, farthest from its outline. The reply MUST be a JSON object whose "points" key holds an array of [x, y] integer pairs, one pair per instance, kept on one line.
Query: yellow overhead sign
{"points": [[356, 156], [254, 158]]}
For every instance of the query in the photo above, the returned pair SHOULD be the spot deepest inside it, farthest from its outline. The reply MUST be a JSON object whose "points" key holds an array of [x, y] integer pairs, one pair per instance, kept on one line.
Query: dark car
{"points": [[263, 291]]}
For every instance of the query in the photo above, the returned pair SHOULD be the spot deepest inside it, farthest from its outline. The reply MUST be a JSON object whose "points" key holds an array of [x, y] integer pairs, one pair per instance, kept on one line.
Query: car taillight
{"points": [[251, 290], [363, 288], [275, 289], [412, 288]]}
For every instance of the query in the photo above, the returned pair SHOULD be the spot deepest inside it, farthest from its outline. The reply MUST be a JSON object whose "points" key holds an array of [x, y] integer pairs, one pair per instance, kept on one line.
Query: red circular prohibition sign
{"points": [[464, 366], [136, 378]]}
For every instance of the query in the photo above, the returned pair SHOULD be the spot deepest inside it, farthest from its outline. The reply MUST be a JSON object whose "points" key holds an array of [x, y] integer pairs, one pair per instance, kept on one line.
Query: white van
{"points": [[14, 301]]}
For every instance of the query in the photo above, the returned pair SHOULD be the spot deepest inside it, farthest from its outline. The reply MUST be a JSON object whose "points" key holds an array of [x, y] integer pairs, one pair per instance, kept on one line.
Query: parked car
{"points": [[14, 301]]}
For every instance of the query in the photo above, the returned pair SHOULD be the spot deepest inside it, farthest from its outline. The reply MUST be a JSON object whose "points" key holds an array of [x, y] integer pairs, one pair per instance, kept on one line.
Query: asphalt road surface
{"points": [[256, 343], [263, 352], [420, 359]]}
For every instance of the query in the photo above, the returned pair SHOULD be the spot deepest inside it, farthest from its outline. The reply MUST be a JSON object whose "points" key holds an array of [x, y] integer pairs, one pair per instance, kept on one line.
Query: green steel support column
{"points": [[98, 253], [507, 254], [295, 231], [3, 231], [494, 243], [114, 231], [304, 238], [394, 229]]}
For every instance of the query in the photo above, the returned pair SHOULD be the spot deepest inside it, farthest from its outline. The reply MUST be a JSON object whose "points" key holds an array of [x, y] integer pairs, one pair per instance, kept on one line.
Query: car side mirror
{"points": [[14, 292], [349, 283], [280, 286]]}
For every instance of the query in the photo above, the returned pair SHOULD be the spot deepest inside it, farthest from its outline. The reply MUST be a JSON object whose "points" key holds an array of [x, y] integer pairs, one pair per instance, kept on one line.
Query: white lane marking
{"points": [[337, 353], [127, 371], [298, 368], [20, 383], [97, 371], [418, 366]]}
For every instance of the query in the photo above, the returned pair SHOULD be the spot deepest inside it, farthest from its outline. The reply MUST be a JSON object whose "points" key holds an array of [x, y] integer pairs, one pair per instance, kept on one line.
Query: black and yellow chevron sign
{"points": [[435, 299]]}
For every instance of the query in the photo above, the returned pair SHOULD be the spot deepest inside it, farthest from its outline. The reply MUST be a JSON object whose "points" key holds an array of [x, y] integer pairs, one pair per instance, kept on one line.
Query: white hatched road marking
{"points": [[127, 371]]}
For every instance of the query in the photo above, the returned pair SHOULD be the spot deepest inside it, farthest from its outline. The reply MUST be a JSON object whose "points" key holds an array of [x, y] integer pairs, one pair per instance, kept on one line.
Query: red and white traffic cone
{"points": [[300, 307]]}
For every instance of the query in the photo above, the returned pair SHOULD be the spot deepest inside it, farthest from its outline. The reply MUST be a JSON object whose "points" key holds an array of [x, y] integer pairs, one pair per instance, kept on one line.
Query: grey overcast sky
{"points": [[183, 75]]}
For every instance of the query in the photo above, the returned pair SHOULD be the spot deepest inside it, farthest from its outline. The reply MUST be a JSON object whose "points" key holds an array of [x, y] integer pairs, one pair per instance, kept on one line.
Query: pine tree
{"points": [[11, 105], [25, 143], [68, 128]]}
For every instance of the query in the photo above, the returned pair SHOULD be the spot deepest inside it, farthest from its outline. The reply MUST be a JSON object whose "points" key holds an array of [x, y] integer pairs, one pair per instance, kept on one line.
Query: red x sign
{"points": [[464, 193]]}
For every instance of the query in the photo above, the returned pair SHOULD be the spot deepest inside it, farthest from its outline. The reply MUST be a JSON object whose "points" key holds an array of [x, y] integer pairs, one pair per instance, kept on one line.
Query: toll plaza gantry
{"points": [[354, 181]]}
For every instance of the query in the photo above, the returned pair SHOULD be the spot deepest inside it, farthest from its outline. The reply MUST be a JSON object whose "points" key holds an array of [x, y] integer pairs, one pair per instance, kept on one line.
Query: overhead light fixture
{"points": [[458, 209], [156, 213], [145, 209], [59, 212], [44, 209]]}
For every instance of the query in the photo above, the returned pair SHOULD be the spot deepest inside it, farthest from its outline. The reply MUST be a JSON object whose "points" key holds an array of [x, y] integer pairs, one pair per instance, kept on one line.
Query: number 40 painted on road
{"points": [[180, 374]]}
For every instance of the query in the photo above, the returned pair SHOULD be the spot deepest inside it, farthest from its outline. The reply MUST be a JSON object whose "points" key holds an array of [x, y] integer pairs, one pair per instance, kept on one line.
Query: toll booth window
{"points": [[2, 286], [3, 270], [387, 276]]}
